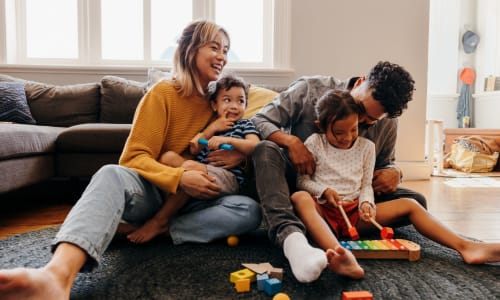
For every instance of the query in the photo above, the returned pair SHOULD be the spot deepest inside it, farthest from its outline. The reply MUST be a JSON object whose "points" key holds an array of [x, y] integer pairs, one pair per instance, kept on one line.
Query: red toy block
{"points": [[357, 295]]}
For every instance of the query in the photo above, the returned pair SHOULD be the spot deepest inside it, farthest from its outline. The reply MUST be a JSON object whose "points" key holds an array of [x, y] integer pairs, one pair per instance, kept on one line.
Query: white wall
{"points": [[343, 39]]}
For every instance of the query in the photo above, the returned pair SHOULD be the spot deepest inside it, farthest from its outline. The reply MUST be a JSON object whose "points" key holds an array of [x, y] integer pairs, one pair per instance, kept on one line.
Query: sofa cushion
{"points": [[13, 103], [93, 138], [21, 140], [119, 99], [258, 97], [64, 105]]}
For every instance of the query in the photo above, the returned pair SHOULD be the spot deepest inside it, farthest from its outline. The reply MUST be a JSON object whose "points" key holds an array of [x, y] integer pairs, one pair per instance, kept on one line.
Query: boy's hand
{"points": [[221, 124], [215, 142]]}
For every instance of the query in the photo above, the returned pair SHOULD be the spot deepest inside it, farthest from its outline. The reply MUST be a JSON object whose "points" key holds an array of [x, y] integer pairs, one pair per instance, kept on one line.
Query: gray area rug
{"points": [[159, 270]]}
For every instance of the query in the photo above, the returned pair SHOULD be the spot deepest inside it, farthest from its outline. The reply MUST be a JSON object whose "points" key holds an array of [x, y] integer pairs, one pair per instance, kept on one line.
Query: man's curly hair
{"points": [[392, 86]]}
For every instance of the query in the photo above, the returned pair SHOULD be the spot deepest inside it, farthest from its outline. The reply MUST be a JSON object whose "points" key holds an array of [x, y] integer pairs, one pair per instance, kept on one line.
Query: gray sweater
{"points": [[293, 112]]}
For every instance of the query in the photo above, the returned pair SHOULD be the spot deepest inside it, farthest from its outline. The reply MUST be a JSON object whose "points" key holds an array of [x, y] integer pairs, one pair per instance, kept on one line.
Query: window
{"points": [[137, 32]]}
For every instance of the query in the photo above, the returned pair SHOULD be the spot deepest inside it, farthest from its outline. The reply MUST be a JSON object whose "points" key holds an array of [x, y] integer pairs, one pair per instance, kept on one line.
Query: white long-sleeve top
{"points": [[347, 171]]}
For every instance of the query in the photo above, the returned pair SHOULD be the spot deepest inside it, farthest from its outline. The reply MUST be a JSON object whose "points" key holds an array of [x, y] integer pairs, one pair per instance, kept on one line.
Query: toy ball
{"points": [[281, 296], [232, 240]]}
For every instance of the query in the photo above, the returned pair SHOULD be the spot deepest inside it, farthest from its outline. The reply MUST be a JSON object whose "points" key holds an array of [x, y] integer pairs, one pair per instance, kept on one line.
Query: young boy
{"points": [[228, 99]]}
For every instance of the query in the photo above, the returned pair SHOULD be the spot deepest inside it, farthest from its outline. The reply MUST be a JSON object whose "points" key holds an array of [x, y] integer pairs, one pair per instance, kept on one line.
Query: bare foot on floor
{"points": [[148, 231], [343, 262], [481, 253], [31, 284]]}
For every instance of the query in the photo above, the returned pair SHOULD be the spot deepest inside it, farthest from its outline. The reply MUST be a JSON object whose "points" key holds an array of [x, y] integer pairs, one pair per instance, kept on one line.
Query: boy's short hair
{"points": [[227, 82]]}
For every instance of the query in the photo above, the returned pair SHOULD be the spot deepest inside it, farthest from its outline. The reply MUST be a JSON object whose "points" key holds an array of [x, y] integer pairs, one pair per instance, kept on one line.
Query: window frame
{"points": [[276, 49]]}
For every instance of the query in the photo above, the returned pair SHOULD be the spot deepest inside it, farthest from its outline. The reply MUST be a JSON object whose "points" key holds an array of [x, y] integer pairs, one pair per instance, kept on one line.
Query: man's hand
{"points": [[385, 181], [301, 158], [225, 159], [199, 185]]}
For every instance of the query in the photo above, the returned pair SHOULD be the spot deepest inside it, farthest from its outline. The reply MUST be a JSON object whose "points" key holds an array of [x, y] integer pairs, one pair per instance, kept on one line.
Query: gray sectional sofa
{"points": [[78, 128]]}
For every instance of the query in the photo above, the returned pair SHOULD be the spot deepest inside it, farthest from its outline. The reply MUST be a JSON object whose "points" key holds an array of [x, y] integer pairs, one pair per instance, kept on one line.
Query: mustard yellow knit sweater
{"points": [[163, 121]]}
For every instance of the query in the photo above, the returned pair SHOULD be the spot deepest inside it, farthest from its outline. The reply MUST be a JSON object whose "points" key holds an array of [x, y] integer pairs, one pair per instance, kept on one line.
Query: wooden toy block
{"points": [[242, 274], [261, 281], [242, 285], [383, 249], [272, 286], [357, 295], [353, 233], [276, 273]]}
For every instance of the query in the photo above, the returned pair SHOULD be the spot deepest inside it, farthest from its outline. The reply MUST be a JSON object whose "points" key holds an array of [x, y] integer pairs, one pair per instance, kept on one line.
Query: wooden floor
{"points": [[468, 206]]}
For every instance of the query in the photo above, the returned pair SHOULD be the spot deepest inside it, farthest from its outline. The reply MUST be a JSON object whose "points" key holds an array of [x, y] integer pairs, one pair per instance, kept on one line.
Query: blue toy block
{"points": [[222, 146], [272, 286], [261, 281]]}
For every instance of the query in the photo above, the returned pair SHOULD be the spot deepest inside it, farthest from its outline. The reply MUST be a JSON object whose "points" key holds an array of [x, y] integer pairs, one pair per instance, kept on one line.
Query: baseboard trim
{"points": [[415, 170]]}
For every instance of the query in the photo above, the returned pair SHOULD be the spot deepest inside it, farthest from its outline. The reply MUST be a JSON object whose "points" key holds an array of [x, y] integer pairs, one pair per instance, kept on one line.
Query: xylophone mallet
{"points": [[353, 233], [385, 232]]}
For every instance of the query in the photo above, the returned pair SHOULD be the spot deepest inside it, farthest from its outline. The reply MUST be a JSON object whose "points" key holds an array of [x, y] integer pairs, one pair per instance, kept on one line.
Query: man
{"points": [[286, 123]]}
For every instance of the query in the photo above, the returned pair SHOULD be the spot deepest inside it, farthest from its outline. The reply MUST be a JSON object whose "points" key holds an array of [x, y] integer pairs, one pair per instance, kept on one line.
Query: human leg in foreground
{"points": [[285, 228], [159, 223], [340, 260], [396, 211], [91, 225]]}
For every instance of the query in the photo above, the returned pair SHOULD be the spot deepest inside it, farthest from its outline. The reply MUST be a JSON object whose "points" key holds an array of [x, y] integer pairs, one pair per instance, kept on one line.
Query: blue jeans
{"points": [[116, 193]]}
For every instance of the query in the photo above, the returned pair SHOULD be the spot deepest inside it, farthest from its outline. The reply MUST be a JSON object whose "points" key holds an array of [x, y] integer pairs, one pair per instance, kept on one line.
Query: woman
{"points": [[132, 192]]}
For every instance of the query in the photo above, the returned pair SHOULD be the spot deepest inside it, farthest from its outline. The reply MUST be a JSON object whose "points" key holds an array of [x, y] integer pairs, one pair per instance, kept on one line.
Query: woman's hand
{"points": [[199, 185], [367, 211], [225, 159]]}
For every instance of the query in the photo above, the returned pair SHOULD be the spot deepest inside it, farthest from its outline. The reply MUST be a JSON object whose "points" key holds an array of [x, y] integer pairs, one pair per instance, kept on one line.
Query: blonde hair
{"points": [[196, 35]]}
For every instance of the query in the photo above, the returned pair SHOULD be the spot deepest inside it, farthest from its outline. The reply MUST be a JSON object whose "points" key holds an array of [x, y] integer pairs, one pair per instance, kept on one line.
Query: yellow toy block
{"points": [[242, 274], [242, 285]]}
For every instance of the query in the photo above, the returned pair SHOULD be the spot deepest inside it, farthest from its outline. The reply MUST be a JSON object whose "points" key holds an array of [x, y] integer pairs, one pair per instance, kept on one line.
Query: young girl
{"points": [[343, 176], [135, 190], [228, 99]]}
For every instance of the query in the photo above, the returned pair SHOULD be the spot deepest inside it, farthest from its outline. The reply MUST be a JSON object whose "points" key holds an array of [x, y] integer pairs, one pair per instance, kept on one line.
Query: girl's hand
{"points": [[199, 185], [367, 211], [332, 197]]}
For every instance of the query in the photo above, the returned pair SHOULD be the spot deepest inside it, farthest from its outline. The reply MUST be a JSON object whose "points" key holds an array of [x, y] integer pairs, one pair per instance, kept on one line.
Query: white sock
{"points": [[306, 262]]}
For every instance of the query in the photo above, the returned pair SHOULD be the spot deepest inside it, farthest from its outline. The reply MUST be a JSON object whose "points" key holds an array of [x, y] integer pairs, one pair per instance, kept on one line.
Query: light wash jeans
{"points": [[116, 193]]}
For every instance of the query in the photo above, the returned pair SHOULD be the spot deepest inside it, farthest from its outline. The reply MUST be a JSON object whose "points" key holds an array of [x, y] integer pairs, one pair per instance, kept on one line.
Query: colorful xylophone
{"points": [[383, 249]]}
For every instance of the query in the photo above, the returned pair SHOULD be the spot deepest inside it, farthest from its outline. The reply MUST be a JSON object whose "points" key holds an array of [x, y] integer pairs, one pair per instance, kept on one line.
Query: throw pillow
{"points": [[155, 75], [13, 103], [119, 99], [258, 97]]}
